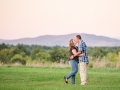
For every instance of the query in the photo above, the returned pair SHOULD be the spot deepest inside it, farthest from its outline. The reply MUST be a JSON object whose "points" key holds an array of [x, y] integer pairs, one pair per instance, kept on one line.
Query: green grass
{"points": [[46, 78]]}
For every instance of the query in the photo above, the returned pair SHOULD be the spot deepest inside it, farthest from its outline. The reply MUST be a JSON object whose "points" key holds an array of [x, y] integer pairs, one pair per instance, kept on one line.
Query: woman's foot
{"points": [[66, 80]]}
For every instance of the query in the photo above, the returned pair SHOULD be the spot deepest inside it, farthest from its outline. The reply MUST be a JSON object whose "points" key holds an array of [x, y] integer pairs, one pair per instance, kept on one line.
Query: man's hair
{"points": [[78, 36]]}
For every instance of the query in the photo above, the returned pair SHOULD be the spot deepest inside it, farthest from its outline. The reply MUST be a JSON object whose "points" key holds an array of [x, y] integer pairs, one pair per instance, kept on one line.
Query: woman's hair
{"points": [[71, 44]]}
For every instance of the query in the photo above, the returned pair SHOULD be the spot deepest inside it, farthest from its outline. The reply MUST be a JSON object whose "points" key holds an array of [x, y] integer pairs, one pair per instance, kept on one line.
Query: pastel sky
{"points": [[32, 18]]}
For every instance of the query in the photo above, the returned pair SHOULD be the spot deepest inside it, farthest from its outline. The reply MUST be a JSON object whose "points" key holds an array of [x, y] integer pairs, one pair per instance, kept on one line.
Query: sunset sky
{"points": [[32, 18]]}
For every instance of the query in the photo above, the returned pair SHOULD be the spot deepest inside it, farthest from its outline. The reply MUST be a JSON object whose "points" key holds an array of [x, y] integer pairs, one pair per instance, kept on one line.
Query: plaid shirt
{"points": [[83, 49]]}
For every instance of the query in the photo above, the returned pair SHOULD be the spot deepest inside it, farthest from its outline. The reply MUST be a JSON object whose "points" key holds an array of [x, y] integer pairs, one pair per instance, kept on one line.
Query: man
{"points": [[83, 60]]}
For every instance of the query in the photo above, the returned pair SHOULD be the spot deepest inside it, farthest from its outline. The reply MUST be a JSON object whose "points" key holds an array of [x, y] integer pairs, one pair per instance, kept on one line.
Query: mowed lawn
{"points": [[51, 78]]}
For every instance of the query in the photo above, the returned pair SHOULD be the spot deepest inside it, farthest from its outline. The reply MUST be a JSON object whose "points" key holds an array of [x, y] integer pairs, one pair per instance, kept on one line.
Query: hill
{"points": [[63, 40]]}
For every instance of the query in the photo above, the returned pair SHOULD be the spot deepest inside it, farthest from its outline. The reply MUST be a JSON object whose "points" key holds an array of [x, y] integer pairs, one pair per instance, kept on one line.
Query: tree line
{"points": [[27, 53]]}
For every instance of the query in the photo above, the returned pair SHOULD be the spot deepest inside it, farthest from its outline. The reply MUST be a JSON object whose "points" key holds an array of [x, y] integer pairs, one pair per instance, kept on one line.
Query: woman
{"points": [[73, 62]]}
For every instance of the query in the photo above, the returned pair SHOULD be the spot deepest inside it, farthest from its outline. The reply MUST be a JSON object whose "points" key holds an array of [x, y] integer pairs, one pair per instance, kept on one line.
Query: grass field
{"points": [[51, 78]]}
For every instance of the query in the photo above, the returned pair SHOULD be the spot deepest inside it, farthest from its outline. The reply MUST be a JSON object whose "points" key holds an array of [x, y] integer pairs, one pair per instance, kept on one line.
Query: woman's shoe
{"points": [[66, 80]]}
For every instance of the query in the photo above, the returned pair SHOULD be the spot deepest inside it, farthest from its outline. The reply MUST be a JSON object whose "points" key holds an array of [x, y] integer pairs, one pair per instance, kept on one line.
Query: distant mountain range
{"points": [[63, 40], [118, 38]]}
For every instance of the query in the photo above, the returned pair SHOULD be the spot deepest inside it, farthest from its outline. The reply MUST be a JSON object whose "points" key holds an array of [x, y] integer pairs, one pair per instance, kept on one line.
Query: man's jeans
{"points": [[83, 72], [74, 67]]}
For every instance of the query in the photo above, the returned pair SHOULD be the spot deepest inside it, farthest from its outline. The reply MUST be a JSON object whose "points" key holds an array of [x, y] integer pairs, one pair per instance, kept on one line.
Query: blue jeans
{"points": [[74, 68]]}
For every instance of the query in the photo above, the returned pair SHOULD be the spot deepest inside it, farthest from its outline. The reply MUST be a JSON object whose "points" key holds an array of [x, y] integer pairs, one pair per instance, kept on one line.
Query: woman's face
{"points": [[74, 42]]}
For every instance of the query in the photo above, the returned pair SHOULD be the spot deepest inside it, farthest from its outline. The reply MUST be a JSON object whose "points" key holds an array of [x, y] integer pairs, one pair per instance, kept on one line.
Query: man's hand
{"points": [[83, 54], [71, 57]]}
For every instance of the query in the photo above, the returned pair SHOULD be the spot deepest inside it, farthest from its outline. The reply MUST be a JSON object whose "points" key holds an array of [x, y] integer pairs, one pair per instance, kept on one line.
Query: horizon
{"points": [[32, 18], [58, 35]]}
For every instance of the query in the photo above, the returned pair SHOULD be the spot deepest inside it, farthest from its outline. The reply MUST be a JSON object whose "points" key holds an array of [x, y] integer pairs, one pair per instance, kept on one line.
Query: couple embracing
{"points": [[78, 55]]}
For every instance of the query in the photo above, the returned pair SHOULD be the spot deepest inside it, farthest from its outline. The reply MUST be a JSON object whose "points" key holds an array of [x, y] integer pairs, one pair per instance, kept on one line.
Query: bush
{"points": [[90, 65], [18, 58], [113, 57]]}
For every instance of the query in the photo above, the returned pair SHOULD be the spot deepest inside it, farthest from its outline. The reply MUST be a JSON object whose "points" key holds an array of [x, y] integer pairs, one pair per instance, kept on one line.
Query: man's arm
{"points": [[75, 53]]}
